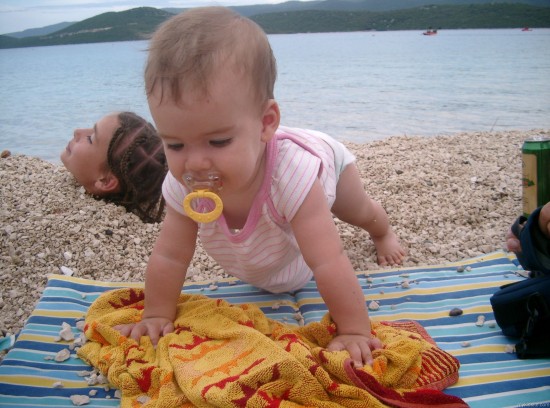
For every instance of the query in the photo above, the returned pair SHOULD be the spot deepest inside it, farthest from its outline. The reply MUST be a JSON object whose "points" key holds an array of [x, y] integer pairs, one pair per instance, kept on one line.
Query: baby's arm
{"points": [[164, 277], [322, 249]]}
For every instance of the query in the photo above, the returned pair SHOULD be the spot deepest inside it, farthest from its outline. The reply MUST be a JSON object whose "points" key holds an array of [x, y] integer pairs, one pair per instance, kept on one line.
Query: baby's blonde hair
{"points": [[188, 50]]}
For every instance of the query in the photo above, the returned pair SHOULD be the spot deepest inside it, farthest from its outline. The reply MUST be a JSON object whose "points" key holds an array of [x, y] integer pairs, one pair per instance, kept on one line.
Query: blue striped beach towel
{"points": [[490, 376]]}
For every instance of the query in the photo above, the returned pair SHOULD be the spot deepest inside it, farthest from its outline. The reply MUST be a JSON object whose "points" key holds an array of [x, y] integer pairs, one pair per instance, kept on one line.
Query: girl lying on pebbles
{"points": [[120, 159]]}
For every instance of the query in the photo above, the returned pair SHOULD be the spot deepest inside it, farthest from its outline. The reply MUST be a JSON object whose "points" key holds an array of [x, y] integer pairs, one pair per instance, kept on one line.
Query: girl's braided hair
{"points": [[136, 157]]}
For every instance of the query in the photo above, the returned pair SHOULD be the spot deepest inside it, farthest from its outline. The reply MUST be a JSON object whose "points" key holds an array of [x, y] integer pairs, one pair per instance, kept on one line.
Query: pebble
{"points": [[455, 312], [299, 318], [66, 271], [447, 221], [522, 273]]}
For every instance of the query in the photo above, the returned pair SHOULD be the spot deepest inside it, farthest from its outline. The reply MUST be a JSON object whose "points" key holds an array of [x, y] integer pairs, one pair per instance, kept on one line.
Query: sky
{"points": [[19, 15]]}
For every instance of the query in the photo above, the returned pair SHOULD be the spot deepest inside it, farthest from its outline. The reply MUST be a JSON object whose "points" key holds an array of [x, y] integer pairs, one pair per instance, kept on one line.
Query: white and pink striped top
{"points": [[265, 253]]}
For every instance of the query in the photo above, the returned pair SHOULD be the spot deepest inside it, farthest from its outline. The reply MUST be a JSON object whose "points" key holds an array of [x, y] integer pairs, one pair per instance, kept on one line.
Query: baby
{"points": [[210, 76]]}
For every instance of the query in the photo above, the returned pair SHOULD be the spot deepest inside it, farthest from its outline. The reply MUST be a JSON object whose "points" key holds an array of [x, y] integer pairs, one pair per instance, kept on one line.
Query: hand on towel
{"points": [[154, 327], [358, 346]]}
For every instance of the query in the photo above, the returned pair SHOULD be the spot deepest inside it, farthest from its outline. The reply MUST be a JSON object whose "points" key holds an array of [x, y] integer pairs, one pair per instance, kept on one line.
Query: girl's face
{"points": [[86, 153], [224, 132]]}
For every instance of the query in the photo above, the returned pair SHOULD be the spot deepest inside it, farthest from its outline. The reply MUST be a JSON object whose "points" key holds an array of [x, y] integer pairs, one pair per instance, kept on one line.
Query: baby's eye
{"points": [[220, 143], [175, 146], [89, 137]]}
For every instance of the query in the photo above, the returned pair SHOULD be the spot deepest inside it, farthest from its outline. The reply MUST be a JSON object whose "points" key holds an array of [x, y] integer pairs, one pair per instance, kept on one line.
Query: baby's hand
{"points": [[154, 327], [512, 242], [359, 347]]}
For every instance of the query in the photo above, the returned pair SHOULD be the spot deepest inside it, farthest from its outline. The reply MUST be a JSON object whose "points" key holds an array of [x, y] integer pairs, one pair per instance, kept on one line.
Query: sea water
{"points": [[357, 86]]}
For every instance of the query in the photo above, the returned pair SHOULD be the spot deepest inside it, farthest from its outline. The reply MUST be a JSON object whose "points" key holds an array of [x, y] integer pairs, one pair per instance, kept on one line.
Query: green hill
{"points": [[130, 25], [34, 32], [140, 23], [361, 5], [447, 17]]}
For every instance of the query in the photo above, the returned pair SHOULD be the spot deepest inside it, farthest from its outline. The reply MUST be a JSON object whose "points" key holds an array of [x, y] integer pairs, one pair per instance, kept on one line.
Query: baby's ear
{"points": [[271, 117], [107, 184]]}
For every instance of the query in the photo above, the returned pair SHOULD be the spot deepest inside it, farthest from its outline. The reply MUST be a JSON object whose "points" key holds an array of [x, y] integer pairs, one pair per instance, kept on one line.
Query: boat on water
{"points": [[429, 31], [526, 29]]}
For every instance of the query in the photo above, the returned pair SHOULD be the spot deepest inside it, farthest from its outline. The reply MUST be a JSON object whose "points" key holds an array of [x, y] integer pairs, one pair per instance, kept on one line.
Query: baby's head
{"points": [[120, 159], [192, 48]]}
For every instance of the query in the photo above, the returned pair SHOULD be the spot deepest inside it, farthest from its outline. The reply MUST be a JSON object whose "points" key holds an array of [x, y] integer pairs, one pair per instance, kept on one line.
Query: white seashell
{"points": [[79, 400], [66, 332], [374, 305], [62, 355], [480, 320]]}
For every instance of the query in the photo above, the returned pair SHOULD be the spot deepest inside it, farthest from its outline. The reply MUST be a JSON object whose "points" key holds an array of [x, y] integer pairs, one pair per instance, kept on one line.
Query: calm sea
{"points": [[356, 86]]}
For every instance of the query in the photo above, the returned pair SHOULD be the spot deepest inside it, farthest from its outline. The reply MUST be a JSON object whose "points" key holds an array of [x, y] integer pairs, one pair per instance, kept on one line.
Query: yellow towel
{"points": [[222, 355]]}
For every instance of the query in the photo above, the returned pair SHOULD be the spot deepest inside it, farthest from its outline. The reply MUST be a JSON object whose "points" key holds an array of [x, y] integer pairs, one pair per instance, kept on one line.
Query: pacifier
{"points": [[203, 189]]}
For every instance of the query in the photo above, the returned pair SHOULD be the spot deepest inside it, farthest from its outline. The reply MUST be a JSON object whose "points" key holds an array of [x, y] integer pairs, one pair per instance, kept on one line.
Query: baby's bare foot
{"points": [[388, 250]]}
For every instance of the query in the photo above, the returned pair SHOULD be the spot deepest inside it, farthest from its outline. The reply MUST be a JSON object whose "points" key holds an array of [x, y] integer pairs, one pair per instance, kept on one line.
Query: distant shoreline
{"points": [[301, 17]]}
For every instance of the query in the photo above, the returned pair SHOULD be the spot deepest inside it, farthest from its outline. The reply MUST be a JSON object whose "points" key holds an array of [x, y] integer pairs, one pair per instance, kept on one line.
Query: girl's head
{"points": [[190, 50], [120, 159]]}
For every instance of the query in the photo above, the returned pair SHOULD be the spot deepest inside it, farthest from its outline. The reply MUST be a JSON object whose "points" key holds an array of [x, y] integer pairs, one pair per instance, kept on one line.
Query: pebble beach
{"points": [[448, 198]]}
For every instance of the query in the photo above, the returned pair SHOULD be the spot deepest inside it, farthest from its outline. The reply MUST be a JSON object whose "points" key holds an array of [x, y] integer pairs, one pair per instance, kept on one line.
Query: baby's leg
{"points": [[354, 206]]}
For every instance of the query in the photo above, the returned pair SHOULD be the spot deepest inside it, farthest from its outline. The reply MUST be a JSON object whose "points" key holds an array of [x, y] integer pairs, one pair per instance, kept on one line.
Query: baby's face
{"points": [[86, 153], [223, 132]]}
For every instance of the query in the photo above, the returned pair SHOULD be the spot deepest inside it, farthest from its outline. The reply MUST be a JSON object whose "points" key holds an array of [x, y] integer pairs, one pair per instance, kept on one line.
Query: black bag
{"points": [[522, 309]]}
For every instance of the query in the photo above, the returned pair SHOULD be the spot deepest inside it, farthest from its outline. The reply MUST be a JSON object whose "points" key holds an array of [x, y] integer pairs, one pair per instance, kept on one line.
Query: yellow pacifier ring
{"points": [[203, 217]]}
